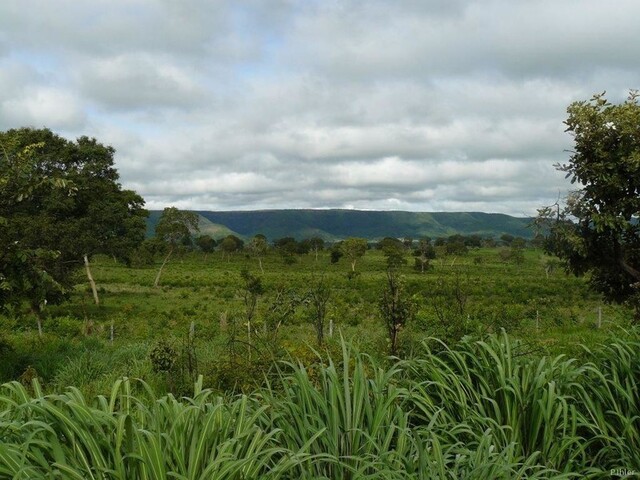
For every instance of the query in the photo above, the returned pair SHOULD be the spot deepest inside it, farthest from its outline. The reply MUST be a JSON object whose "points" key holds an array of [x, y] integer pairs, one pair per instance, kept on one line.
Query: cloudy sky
{"points": [[421, 105]]}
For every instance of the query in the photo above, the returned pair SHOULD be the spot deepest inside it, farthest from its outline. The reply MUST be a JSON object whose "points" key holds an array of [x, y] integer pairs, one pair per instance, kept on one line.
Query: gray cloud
{"points": [[417, 105]]}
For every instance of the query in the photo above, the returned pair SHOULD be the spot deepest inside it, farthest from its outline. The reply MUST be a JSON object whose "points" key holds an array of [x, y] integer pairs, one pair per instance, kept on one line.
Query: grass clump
{"points": [[484, 408]]}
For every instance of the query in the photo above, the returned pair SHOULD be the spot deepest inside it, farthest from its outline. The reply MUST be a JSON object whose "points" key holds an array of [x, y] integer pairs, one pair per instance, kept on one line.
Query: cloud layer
{"points": [[432, 105]]}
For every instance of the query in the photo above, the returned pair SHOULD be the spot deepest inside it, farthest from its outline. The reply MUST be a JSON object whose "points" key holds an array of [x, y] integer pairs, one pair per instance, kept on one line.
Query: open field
{"points": [[199, 314], [270, 402]]}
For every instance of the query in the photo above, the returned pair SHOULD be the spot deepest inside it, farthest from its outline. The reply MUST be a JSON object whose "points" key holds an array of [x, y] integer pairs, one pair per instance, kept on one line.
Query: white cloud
{"points": [[417, 105]]}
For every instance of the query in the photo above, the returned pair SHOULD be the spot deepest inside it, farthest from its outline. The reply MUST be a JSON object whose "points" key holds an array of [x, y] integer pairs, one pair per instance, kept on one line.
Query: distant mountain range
{"points": [[339, 224]]}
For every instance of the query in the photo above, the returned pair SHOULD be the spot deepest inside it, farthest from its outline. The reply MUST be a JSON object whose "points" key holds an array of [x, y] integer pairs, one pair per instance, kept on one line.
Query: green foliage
{"points": [[176, 225], [318, 297], [332, 225], [206, 243], [59, 201], [597, 230], [396, 307], [353, 248], [230, 244], [483, 408]]}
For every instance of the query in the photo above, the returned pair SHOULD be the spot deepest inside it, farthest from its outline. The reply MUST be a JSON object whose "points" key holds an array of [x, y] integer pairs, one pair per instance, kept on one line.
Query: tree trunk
{"points": [[91, 281], [260, 263], [353, 265], [630, 270], [166, 259], [35, 309]]}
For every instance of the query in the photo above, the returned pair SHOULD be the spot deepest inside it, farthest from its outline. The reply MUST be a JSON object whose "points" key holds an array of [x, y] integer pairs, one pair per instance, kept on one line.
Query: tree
{"points": [[596, 230], [318, 299], [389, 243], [316, 245], [394, 251], [258, 247], [507, 239], [207, 244], [287, 247], [336, 252], [60, 204], [251, 290], [396, 307], [354, 248], [229, 245], [424, 254], [456, 246], [173, 227]]}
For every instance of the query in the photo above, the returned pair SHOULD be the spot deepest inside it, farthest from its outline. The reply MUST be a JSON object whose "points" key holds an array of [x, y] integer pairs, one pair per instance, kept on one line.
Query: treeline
{"points": [[178, 231]]}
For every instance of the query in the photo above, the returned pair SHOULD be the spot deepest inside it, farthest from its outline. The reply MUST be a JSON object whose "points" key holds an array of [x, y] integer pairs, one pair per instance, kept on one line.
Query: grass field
{"points": [[531, 376], [199, 317]]}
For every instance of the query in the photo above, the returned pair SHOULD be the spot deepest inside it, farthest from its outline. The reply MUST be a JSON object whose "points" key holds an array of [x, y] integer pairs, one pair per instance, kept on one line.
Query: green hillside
{"points": [[207, 227], [337, 224]]}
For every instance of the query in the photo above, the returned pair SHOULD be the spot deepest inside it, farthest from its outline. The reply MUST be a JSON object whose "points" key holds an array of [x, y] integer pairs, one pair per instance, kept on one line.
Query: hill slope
{"points": [[338, 224]]}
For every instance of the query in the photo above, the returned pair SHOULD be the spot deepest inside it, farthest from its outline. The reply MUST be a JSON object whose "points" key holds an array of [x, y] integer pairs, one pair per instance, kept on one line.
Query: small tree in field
{"points": [[206, 244], [251, 290], [258, 247], [318, 296], [229, 245], [424, 254], [354, 248], [173, 227], [317, 245], [396, 307]]}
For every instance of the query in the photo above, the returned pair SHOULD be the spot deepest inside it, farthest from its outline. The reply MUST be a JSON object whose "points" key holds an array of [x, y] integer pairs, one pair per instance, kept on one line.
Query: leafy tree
{"points": [[474, 241], [206, 243], [287, 247], [318, 298], [455, 245], [596, 230], [60, 203], [316, 245], [507, 238], [258, 247], [396, 307], [394, 251], [354, 248], [389, 243], [336, 252], [173, 227], [229, 245], [148, 251], [251, 290], [424, 254]]}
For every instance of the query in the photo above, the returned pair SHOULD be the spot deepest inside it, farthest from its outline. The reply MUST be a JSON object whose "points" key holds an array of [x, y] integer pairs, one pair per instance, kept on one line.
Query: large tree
{"points": [[60, 203], [596, 230]]}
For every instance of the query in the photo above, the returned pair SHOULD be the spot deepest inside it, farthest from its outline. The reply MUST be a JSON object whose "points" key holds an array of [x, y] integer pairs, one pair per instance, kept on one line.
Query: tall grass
{"points": [[482, 409]]}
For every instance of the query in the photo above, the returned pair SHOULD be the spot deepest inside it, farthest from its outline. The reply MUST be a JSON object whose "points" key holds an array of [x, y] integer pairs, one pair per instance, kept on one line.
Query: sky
{"points": [[418, 105]]}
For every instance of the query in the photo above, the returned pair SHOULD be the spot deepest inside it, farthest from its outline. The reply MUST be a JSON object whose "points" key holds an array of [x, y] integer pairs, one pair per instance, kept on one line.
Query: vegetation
{"points": [[334, 225], [481, 360], [478, 410], [597, 230], [60, 204]]}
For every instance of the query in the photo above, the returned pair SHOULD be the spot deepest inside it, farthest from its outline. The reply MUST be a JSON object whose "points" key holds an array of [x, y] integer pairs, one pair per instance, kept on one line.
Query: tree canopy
{"points": [[596, 230], [354, 248], [59, 201]]}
